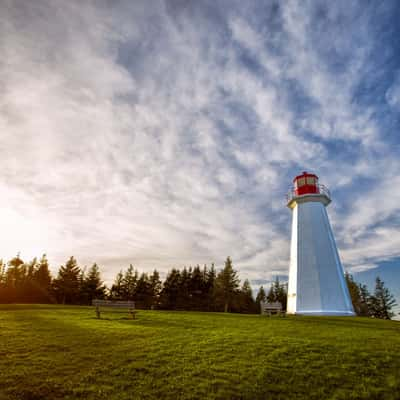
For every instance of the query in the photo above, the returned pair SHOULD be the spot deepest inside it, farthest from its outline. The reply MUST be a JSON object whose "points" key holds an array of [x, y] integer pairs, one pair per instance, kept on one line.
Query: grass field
{"points": [[59, 352]]}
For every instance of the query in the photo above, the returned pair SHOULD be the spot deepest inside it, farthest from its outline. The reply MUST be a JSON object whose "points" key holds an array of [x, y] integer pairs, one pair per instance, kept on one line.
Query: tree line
{"points": [[200, 289], [377, 305], [193, 288]]}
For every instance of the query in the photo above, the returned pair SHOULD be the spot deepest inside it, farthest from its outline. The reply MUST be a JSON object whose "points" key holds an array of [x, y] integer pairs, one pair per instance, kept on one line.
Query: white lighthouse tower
{"points": [[317, 284]]}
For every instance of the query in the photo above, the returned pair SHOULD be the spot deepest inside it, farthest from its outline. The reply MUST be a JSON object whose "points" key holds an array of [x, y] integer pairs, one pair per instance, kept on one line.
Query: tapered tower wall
{"points": [[317, 284]]}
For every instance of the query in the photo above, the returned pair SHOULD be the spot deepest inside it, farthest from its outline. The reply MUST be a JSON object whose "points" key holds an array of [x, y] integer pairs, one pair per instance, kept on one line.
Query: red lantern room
{"points": [[306, 188], [305, 184]]}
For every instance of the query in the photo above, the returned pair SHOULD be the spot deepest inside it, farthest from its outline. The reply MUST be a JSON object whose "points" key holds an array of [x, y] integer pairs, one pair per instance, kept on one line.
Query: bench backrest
{"points": [[275, 306], [113, 303]]}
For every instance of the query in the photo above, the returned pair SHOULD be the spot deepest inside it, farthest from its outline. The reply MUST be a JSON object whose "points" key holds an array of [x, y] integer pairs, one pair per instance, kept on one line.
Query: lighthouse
{"points": [[317, 285]]}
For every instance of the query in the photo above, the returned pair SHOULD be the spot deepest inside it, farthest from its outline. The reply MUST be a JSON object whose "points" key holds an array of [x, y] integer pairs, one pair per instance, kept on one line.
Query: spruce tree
{"points": [[92, 285], [170, 290], [129, 283], [30, 288], [15, 279], [155, 288], [66, 285], [247, 303], [3, 275], [143, 292], [261, 297], [117, 288], [278, 293], [42, 279], [365, 306], [382, 301], [210, 276], [197, 289], [183, 300], [227, 283], [354, 290]]}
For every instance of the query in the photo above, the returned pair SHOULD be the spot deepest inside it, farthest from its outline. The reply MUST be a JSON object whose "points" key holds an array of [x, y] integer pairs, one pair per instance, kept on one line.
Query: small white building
{"points": [[317, 285]]}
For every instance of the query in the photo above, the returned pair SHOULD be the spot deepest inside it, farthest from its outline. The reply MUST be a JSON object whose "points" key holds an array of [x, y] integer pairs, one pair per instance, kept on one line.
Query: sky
{"points": [[167, 133]]}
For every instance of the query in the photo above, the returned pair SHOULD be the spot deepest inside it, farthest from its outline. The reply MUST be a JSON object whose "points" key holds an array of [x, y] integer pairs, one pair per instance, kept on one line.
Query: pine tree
{"points": [[42, 281], [155, 288], [227, 284], [92, 285], [382, 301], [210, 276], [170, 290], [129, 283], [117, 288], [197, 289], [365, 307], [184, 297], [261, 297], [143, 292], [360, 297], [278, 293], [30, 289], [66, 285], [354, 291], [15, 279], [3, 275], [247, 303]]}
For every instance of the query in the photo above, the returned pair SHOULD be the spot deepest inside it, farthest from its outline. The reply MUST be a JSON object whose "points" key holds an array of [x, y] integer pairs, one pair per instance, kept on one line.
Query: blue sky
{"points": [[167, 133]]}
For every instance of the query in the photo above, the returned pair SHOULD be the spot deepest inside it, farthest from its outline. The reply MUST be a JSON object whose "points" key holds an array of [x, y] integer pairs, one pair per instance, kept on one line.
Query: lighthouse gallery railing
{"points": [[321, 189]]}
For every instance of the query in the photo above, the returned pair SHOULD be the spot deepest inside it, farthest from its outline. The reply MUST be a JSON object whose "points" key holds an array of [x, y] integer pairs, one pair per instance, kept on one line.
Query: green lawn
{"points": [[59, 352]]}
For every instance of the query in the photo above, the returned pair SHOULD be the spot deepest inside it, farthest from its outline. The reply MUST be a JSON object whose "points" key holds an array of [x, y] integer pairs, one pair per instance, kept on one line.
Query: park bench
{"points": [[271, 308], [130, 305]]}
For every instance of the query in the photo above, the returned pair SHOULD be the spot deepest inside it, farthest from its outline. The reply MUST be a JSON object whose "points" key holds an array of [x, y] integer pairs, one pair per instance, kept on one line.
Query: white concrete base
{"points": [[326, 313]]}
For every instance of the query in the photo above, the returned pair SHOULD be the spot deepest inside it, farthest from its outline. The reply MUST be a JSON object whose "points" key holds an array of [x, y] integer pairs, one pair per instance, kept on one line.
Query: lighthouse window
{"points": [[310, 180], [301, 182]]}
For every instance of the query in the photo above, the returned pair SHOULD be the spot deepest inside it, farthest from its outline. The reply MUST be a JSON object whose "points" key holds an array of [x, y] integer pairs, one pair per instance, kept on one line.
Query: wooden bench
{"points": [[130, 305], [271, 308]]}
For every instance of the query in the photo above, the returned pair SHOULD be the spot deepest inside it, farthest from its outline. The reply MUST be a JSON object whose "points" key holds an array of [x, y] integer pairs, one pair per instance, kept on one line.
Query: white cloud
{"points": [[393, 94]]}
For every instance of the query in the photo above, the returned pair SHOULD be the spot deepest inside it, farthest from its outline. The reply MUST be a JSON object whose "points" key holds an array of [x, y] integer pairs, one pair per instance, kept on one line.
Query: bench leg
{"points": [[97, 312], [132, 314]]}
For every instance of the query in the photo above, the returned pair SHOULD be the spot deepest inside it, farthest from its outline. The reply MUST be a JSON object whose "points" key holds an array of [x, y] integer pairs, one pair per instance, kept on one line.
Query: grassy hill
{"points": [[60, 352]]}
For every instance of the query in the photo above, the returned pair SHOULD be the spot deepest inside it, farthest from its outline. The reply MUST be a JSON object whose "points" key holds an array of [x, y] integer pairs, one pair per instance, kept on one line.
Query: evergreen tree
{"points": [[210, 277], [170, 290], [227, 284], [16, 261], [155, 288], [15, 279], [30, 289], [197, 289], [42, 281], [365, 305], [92, 285], [247, 303], [129, 283], [183, 300], [360, 297], [261, 297], [66, 285], [143, 292], [354, 290], [271, 294], [117, 288], [3, 275], [278, 292], [382, 301]]}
